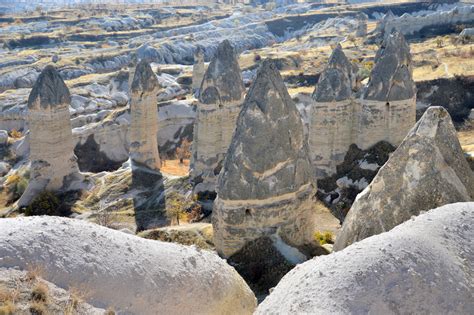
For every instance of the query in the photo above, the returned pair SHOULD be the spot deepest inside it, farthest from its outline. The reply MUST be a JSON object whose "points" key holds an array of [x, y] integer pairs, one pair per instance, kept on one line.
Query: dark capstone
{"points": [[269, 135], [391, 78], [91, 159], [210, 96], [260, 264], [144, 78], [224, 75], [335, 83], [50, 89]]}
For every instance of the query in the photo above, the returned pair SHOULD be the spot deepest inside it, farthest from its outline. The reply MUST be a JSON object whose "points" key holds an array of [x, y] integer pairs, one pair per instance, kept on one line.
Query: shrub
{"points": [[16, 185], [39, 293], [37, 308], [325, 237], [46, 203], [7, 308], [15, 134]]}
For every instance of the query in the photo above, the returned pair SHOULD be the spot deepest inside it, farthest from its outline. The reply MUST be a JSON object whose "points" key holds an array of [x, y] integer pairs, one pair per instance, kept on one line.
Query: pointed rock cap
{"points": [[389, 15], [426, 171], [362, 16], [144, 78], [335, 83], [391, 78], [223, 76], [199, 51], [50, 89], [268, 155]]}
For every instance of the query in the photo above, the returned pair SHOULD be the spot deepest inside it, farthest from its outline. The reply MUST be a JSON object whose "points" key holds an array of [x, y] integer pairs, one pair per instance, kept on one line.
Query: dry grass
{"points": [[466, 138], [40, 293], [173, 167]]}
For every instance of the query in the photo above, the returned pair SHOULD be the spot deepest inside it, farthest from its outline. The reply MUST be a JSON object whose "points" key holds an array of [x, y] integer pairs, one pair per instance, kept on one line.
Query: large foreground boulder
{"points": [[423, 266], [131, 274], [427, 170]]}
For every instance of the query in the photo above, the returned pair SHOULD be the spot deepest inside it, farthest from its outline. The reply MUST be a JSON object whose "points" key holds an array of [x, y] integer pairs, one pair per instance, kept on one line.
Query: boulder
{"points": [[423, 266], [130, 274], [426, 171]]}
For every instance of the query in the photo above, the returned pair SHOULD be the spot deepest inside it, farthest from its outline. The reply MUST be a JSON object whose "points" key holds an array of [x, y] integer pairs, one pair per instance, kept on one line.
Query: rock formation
{"points": [[331, 115], [388, 105], [220, 100], [423, 266], [130, 274], [144, 118], [199, 68], [426, 171], [361, 27], [409, 24], [53, 163], [266, 187]]}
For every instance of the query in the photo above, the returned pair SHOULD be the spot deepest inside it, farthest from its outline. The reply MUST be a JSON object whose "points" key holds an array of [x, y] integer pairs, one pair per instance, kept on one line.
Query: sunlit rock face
{"points": [[220, 100], [53, 163], [388, 105], [144, 118], [331, 115], [426, 171], [266, 187]]}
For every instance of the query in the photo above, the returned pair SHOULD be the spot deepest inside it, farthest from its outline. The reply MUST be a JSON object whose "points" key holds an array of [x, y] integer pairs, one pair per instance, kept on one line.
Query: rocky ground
{"points": [[94, 51]]}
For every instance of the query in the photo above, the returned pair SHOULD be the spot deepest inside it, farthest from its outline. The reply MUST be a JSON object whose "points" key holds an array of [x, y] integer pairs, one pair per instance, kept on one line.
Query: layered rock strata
{"points": [[53, 163], [426, 171], [387, 110], [220, 100], [332, 114], [199, 68], [423, 266], [144, 118], [266, 187]]}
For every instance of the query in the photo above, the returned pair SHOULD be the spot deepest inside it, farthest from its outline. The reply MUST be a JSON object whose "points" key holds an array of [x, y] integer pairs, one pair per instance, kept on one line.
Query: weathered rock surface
{"points": [[423, 266], [426, 171], [53, 163], [361, 26], [131, 274], [266, 187], [388, 105], [144, 118], [199, 69], [331, 115], [220, 100]]}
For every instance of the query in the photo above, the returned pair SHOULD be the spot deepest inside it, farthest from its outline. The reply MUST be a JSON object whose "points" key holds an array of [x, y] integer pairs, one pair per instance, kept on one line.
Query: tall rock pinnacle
{"points": [[199, 69], [220, 100], [144, 117], [266, 187], [53, 163], [331, 115], [426, 171]]}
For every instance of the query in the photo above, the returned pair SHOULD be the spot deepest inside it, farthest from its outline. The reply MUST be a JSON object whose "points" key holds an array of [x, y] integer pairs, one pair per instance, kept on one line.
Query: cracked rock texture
{"points": [[423, 266], [426, 171], [128, 273], [266, 187], [144, 118], [53, 163], [220, 100]]}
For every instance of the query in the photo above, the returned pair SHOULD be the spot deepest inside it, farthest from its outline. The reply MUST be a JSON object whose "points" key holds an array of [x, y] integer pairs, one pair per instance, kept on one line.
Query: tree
{"points": [[176, 206], [183, 151]]}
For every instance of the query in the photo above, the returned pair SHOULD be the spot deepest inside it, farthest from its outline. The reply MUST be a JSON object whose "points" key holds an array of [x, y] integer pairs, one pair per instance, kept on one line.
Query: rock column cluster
{"points": [[220, 100], [53, 163], [386, 111], [266, 187]]}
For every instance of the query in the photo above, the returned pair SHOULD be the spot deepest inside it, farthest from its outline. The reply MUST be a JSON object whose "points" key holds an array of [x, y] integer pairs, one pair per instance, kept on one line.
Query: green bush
{"points": [[45, 203]]}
